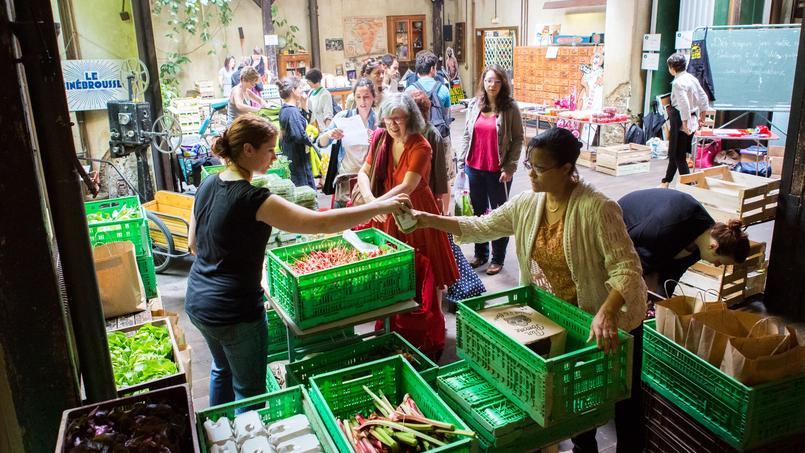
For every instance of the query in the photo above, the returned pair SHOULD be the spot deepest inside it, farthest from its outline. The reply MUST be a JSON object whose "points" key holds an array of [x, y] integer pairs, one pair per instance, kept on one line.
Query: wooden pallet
{"points": [[730, 284], [731, 195], [623, 170]]}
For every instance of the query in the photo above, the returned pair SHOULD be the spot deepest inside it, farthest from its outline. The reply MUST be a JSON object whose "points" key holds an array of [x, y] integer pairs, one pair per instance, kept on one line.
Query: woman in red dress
{"points": [[402, 160]]}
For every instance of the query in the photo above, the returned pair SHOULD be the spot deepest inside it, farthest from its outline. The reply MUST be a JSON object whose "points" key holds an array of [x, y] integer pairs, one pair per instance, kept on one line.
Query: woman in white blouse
{"points": [[686, 112], [571, 240]]}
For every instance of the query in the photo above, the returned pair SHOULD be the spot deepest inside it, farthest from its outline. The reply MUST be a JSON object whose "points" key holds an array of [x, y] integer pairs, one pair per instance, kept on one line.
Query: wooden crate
{"points": [[623, 170], [205, 88], [179, 377], [731, 195], [587, 159], [628, 153], [731, 284]]}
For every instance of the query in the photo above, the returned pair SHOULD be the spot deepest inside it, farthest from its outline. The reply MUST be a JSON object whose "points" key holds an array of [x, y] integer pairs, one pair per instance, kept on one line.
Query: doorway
{"points": [[495, 46]]}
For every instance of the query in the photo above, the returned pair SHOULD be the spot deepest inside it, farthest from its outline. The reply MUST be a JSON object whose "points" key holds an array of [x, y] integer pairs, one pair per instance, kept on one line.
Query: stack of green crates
{"points": [[134, 229], [550, 390], [358, 352], [278, 337], [499, 424], [744, 416]]}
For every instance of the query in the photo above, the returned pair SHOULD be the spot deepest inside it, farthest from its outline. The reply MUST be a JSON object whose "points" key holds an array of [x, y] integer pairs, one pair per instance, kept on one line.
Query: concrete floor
{"points": [[173, 283]]}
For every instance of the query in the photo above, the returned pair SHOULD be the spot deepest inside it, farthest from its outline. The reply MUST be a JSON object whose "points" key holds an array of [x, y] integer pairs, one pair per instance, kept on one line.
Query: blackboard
{"points": [[753, 66]]}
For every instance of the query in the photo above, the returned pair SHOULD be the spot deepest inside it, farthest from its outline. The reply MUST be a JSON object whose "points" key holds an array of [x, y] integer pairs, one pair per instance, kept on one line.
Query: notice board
{"points": [[752, 66]]}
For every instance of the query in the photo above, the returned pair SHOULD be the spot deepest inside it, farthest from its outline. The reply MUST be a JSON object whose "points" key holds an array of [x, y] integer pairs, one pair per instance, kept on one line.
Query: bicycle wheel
{"points": [[161, 242]]}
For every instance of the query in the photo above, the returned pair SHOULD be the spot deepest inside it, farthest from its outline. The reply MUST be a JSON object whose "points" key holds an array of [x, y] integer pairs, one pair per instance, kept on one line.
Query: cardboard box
{"points": [[528, 327]]}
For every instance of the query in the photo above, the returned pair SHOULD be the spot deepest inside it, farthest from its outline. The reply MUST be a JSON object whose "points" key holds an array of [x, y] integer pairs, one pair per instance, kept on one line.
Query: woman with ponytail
{"points": [[229, 228], [671, 231]]}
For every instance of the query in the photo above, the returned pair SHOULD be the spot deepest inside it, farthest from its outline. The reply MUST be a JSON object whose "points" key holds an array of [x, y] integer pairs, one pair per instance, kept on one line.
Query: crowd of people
{"points": [[591, 251]]}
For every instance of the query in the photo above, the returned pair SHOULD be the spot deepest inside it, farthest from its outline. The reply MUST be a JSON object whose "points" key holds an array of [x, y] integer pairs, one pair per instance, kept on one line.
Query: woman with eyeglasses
{"points": [[399, 162], [493, 141], [572, 241]]}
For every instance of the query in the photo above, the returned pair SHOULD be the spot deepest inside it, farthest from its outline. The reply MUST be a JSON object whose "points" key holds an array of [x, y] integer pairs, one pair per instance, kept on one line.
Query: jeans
{"points": [[239, 359], [629, 423], [679, 146], [488, 193]]}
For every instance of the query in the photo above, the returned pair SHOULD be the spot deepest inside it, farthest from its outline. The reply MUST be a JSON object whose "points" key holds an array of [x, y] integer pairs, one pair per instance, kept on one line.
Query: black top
{"points": [[661, 223], [224, 283]]}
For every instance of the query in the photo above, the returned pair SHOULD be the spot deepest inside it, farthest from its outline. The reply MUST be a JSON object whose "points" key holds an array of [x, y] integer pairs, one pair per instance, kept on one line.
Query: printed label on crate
{"points": [[528, 327]]}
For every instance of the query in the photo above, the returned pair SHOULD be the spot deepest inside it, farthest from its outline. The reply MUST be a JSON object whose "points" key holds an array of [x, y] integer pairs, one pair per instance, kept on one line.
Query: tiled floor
{"points": [[172, 284]]}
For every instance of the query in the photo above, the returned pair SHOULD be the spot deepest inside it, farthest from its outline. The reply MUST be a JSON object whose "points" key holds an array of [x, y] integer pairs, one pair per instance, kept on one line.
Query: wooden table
{"points": [[552, 119], [732, 134], [384, 313], [342, 92]]}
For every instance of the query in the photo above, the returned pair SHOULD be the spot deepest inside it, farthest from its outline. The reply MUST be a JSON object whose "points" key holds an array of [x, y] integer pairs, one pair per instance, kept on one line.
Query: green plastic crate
{"points": [[208, 170], [360, 352], [340, 394], [278, 335], [500, 425], [549, 390], [745, 417], [343, 291], [133, 230], [274, 406], [148, 275]]}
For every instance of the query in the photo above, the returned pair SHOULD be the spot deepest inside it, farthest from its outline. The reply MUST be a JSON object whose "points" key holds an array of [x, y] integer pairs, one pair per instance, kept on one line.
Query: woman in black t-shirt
{"points": [[229, 230], [671, 231]]}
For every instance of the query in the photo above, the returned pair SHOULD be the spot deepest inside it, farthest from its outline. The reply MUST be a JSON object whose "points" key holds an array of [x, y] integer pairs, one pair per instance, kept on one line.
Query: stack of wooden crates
{"points": [[731, 195], [542, 80], [730, 284], [620, 160]]}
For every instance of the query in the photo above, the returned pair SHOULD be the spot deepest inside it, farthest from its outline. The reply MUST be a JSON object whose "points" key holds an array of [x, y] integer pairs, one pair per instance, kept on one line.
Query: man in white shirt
{"points": [[320, 101], [686, 112]]}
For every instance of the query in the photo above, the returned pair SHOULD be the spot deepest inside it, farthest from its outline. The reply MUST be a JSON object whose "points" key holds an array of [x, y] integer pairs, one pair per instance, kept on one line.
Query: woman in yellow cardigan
{"points": [[571, 240]]}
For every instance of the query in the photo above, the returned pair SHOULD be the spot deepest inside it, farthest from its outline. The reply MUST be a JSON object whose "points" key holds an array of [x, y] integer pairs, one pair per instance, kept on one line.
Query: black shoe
{"points": [[494, 269], [477, 262]]}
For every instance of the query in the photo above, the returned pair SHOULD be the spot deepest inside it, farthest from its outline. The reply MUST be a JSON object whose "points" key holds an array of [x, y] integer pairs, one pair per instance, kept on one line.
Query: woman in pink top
{"points": [[493, 139]]}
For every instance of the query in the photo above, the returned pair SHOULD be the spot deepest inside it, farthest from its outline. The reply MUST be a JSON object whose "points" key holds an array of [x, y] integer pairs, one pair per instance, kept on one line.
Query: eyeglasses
{"points": [[493, 82], [398, 120], [536, 168]]}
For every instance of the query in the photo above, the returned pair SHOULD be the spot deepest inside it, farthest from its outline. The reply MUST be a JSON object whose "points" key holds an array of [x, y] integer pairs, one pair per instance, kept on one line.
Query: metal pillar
{"points": [[144, 32], [785, 288], [37, 379], [315, 50], [36, 34]]}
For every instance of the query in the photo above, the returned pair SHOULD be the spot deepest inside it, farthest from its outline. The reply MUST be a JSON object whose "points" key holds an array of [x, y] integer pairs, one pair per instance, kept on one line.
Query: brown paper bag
{"points": [[755, 360], [709, 331], [186, 358], [673, 315], [119, 281]]}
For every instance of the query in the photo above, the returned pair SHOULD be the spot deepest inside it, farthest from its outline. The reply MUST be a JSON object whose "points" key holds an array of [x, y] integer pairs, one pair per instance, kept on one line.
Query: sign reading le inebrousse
{"points": [[90, 84]]}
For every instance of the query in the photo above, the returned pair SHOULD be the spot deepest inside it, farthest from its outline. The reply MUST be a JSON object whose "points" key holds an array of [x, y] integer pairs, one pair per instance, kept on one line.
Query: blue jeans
{"points": [[487, 193], [239, 359]]}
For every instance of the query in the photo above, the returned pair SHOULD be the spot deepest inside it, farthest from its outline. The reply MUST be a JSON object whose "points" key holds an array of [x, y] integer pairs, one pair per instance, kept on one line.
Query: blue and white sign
{"points": [[90, 84]]}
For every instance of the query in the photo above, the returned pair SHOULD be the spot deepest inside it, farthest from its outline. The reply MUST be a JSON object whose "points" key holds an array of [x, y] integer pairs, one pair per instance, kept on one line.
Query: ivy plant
{"points": [[291, 44], [187, 18]]}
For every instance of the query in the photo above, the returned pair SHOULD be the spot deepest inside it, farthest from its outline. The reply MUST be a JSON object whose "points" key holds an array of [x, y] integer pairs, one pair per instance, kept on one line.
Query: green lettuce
{"points": [[142, 357]]}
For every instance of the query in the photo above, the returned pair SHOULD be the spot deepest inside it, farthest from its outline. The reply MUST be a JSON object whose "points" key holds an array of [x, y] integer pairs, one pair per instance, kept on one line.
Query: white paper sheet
{"points": [[355, 132]]}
